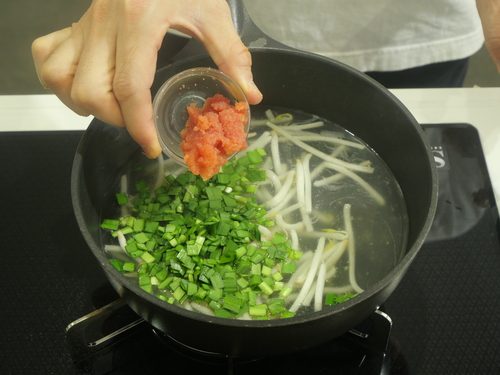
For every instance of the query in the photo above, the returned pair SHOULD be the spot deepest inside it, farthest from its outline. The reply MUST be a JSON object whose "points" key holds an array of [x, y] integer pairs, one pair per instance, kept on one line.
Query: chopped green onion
{"points": [[200, 240], [289, 267], [258, 310], [117, 264], [232, 303], [128, 267], [121, 198], [332, 299], [147, 257], [110, 224], [221, 313]]}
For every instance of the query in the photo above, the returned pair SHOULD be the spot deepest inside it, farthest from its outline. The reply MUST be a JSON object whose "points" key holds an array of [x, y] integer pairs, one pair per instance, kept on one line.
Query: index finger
{"points": [[224, 45], [134, 74], [43, 47]]}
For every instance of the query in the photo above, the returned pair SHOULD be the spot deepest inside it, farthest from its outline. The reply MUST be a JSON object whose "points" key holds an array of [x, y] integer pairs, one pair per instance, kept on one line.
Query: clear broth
{"points": [[380, 231]]}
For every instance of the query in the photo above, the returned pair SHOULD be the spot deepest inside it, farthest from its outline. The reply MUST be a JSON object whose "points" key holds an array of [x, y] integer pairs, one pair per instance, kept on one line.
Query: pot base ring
{"points": [[199, 355]]}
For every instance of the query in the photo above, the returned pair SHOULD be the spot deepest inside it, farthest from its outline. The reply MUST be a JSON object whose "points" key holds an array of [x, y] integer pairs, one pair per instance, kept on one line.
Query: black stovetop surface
{"points": [[445, 312]]}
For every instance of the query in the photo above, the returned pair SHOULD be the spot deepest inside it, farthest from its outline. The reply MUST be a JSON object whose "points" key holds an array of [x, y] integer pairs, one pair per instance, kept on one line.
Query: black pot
{"points": [[291, 79]]}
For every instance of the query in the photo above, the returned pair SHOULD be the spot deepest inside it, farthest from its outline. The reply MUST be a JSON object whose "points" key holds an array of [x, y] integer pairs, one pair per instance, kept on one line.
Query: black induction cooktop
{"points": [[445, 313]]}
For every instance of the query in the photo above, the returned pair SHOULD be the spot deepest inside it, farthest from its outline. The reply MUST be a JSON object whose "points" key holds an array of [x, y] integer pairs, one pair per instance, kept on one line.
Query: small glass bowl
{"points": [[181, 90]]}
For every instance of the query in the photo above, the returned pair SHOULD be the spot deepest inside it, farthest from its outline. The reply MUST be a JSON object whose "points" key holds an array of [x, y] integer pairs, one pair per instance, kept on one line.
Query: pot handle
{"points": [[372, 335], [100, 329], [249, 33]]}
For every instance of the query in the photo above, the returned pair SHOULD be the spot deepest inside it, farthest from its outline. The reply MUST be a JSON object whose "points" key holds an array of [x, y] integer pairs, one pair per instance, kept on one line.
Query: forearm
{"points": [[489, 12]]}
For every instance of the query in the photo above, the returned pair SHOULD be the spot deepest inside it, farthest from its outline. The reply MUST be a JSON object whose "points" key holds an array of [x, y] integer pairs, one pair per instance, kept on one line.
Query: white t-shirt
{"points": [[374, 35]]}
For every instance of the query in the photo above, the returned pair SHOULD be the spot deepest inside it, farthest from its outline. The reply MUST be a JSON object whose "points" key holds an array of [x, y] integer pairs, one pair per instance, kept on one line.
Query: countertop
{"points": [[445, 310], [477, 106]]}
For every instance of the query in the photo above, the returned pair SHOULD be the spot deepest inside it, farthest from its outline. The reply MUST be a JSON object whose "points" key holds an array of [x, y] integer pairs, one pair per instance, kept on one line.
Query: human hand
{"points": [[489, 12], [104, 64]]}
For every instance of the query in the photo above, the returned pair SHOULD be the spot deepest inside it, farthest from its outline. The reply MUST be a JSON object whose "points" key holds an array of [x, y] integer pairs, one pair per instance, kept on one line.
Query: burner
{"points": [[201, 356], [115, 330], [444, 310]]}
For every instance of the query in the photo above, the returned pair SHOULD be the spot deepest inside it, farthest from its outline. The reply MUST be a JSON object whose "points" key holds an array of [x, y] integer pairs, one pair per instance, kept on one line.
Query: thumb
{"points": [[237, 63], [232, 57]]}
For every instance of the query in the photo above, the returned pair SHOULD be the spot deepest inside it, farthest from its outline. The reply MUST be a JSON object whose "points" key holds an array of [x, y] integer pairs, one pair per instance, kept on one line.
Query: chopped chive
{"points": [[255, 157], [288, 267], [117, 264], [287, 314], [232, 303], [141, 237], [121, 198], [332, 299], [110, 224], [200, 240], [147, 257], [285, 292], [128, 267], [266, 289], [221, 313], [258, 310]]}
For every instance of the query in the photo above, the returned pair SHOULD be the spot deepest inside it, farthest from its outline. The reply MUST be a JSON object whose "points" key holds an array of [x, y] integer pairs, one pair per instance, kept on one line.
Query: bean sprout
{"points": [[336, 177], [268, 162], [373, 193], [280, 206], [300, 273], [179, 171], [289, 209], [273, 177], [287, 226], [187, 306], [335, 254], [245, 316], [202, 309], [310, 295], [310, 276], [264, 194], [275, 152], [334, 235], [311, 125], [339, 289], [316, 171], [318, 153], [265, 232], [300, 181], [295, 239], [161, 172], [121, 240], [117, 252], [306, 219], [270, 115], [350, 246], [320, 285], [260, 142], [307, 183], [322, 138], [284, 189], [112, 248]]}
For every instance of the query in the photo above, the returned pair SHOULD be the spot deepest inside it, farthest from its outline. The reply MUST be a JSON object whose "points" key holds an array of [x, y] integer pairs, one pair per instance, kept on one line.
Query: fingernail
{"points": [[253, 87], [148, 151], [152, 152], [253, 94]]}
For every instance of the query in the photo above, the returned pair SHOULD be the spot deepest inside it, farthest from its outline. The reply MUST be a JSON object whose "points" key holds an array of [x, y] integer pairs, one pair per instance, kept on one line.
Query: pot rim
{"points": [[398, 270]]}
